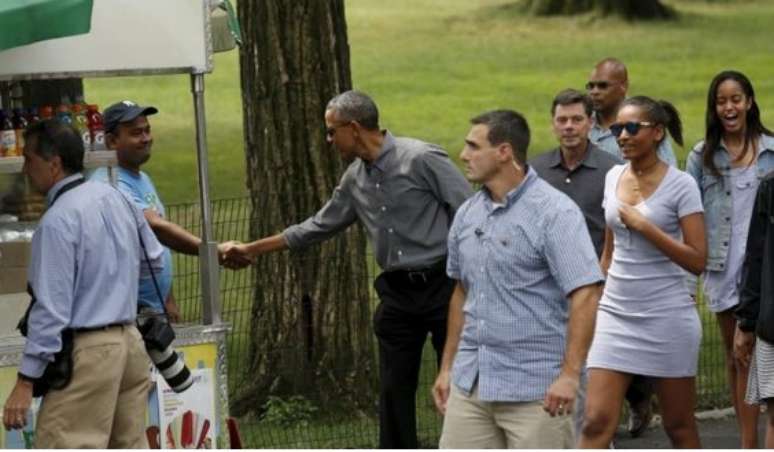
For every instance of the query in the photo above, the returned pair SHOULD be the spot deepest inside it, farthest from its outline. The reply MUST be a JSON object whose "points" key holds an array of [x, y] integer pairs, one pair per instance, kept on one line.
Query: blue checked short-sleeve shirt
{"points": [[518, 262]]}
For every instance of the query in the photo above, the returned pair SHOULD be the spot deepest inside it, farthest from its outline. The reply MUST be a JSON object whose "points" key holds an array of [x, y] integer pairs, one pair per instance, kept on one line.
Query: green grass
{"points": [[431, 65]]}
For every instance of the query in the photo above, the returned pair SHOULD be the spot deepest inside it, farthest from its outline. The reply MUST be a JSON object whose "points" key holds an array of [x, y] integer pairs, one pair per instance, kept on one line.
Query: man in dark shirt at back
{"points": [[577, 168]]}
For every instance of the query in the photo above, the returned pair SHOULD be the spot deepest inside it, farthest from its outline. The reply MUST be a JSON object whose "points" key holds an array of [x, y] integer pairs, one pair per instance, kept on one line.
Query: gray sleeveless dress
{"points": [[647, 323]]}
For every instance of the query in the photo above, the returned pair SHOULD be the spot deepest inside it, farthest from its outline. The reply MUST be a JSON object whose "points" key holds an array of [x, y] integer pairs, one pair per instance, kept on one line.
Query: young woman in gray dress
{"points": [[647, 323]]}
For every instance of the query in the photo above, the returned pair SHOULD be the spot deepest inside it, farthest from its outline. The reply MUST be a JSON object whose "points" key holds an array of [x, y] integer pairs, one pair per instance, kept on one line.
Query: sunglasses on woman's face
{"points": [[631, 127]]}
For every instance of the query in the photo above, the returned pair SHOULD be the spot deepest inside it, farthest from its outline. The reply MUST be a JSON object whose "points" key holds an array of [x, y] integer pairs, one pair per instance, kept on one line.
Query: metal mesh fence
{"points": [[296, 421]]}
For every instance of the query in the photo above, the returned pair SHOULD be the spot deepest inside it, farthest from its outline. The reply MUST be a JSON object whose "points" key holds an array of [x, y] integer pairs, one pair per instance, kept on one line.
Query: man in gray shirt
{"points": [[577, 168], [405, 192]]}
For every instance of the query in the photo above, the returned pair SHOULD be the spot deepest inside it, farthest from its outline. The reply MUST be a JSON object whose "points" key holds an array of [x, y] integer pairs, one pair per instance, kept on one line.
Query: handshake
{"points": [[234, 255]]}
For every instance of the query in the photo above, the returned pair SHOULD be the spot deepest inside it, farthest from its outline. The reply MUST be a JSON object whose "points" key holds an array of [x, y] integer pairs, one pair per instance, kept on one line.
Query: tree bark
{"points": [[310, 317], [628, 9]]}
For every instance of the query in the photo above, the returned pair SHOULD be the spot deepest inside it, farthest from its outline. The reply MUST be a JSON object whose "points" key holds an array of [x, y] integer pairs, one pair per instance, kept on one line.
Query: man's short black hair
{"points": [[506, 126], [571, 97], [52, 137]]}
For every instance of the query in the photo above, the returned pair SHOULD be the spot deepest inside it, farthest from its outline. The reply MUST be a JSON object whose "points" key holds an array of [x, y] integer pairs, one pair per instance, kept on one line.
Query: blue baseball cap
{"points": [[124, 111]]}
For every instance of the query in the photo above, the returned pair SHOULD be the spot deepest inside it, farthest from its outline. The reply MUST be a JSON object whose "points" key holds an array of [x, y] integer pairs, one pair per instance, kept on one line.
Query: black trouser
{"points": [[410, 308]]}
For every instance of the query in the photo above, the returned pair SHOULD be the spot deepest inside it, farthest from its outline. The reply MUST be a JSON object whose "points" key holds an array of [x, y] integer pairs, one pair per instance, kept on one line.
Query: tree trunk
{"points": [[628, 9], [310, 317]]}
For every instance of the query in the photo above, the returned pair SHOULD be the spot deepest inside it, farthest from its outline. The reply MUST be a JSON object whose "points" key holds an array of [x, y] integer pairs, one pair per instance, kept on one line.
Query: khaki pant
{"points": [[472, 424], [104, 405]]}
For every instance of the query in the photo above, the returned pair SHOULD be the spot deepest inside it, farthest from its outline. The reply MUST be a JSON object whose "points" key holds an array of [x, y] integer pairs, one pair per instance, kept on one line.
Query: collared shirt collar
{"points": [[388, 146], [512, 196], [590, 159], [51, 195], [595, 124], [766, 143]]}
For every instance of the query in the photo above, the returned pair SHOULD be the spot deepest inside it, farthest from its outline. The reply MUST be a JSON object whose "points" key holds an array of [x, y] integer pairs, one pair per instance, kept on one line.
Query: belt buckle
{"points": [[417, 277]]}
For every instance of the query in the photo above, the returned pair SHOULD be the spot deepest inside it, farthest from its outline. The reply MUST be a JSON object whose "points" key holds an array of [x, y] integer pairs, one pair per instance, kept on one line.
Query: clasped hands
{"points": [[234, 255]]}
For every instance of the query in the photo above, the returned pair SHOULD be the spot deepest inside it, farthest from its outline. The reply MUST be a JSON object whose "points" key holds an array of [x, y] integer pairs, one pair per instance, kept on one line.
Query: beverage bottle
{"points": [[19, 126], [7, 136], [32, 116], [96, 128], [81, 124], [63, 114], [46, 112]]}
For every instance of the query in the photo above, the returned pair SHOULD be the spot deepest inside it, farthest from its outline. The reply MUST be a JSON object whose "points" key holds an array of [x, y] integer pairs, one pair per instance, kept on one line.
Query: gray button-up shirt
{"points": [[605, 140], [585, 184], [406, 199], [518, 262]]}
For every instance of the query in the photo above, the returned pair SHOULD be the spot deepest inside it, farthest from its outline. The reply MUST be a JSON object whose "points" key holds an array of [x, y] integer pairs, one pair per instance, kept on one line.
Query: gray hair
{"points": [[355, 106]]}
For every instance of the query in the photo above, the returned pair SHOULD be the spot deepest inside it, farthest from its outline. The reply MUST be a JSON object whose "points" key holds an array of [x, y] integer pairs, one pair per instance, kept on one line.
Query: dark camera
{"points": [[158, 336]]}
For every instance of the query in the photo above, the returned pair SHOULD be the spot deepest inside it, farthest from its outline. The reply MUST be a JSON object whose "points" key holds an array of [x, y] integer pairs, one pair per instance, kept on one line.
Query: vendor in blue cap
{"points": [[128, 132]]}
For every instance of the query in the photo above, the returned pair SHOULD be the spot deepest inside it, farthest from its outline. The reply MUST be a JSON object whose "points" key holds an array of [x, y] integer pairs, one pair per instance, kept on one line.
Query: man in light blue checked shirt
{"points": [[523, 310]]}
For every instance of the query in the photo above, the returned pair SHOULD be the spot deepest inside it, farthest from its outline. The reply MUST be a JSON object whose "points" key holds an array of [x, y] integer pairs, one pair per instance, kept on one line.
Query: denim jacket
{"points": [[716, 195]]}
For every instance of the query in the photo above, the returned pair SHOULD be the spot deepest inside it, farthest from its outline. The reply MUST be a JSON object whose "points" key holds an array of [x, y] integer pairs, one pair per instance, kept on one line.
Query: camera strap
{"points": [[145, 255], [153, 274]]}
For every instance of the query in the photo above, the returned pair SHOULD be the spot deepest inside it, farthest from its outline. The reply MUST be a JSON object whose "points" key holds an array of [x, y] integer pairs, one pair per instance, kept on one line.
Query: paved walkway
{"points": [[717, 431]]}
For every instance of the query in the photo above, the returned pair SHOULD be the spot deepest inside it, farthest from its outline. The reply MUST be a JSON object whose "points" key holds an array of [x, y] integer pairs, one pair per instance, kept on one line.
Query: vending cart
{"points": [[59, 39]]}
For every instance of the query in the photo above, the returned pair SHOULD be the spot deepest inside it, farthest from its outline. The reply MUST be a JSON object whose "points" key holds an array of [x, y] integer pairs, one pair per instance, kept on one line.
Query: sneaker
{"points": [[639, 418]]}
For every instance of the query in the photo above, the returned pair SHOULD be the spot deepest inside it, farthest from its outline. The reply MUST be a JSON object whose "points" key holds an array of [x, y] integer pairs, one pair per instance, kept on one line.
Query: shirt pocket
{"points": [[710, 182], [517, 247], [746, 182]]}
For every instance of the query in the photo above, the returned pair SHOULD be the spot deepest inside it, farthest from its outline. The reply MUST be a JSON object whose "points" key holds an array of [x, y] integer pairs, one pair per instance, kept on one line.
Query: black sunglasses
{"points": [[600, 85], [632, 128]]}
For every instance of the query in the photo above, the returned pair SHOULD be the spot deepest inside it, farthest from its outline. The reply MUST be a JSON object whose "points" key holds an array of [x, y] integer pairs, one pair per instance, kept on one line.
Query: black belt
{"points": [[100, 328], [419, 276]]}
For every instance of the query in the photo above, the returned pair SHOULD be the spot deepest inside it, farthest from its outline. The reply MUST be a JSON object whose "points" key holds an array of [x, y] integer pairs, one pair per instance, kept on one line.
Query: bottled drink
{"points": [[7, 136], [46, 112], [19, 126], [32, 116], [96, 128], [81, 124], [63, 114]]}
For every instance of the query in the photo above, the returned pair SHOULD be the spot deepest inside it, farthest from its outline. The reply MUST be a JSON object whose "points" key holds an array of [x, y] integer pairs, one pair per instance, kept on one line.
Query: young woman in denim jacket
{"points": [[736, 153]]}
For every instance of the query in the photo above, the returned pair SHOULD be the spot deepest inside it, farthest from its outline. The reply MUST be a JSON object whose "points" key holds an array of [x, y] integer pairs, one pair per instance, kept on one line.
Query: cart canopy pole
{"points": [[208, 251]]}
